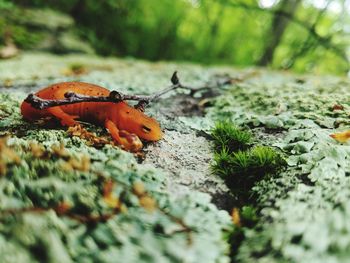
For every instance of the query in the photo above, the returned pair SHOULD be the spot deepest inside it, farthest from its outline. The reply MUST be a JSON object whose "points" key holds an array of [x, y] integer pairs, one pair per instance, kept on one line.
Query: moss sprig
{"points": [[242, 169], [228, 136], [239, 162]]}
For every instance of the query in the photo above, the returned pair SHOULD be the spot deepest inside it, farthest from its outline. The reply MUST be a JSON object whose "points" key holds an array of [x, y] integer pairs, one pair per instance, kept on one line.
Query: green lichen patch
{"points": [[302, 209]]}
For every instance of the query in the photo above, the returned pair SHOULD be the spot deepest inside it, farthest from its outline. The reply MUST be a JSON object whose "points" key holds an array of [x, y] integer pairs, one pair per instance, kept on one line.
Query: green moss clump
{"points": [[228, 164], [222, 162], [227, 135], [240, 165], [249, 215], [243, 169], [266, 159]]}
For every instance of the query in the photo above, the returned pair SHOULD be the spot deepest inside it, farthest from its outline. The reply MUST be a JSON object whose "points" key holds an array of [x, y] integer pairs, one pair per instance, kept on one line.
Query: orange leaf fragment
{"points": [[63, 208], [37, 149], [337, 107], [341, 136], [59, 150], [108, 196], [112, 201], [139, 189], [236, 219], [108, 187], [148, 203]]}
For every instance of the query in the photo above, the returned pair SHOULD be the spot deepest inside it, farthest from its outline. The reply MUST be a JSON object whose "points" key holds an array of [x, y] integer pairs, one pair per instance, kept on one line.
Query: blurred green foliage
{"points": [[206, 31], [20, 35]]}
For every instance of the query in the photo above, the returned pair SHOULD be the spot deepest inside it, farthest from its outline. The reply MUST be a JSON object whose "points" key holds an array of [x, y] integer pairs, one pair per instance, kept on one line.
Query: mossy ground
{"points": [[302, 212]]}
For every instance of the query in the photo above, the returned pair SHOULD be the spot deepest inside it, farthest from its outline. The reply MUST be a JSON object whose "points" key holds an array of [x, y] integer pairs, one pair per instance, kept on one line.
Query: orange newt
{"points": [[125, 123]]}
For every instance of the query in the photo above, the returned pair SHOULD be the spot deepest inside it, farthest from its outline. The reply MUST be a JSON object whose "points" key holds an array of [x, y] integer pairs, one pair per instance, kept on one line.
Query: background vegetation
{"points": [[302, 35]]}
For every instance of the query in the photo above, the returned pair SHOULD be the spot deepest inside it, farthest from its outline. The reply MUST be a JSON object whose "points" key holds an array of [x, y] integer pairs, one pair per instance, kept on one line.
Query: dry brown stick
{"points": [[115, 96]]}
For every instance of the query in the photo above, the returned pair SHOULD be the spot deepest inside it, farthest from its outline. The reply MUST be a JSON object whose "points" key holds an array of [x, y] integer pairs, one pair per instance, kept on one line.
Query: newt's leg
{"points": [[66, 119], [129, 140]]}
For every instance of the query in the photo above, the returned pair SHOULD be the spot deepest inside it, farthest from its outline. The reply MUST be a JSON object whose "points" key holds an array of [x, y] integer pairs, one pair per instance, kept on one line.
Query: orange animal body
{"points": [[125, 123]]}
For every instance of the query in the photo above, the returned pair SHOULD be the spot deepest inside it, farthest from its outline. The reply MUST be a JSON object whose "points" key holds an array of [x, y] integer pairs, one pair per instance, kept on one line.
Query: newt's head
{"points": [[135, 121]]}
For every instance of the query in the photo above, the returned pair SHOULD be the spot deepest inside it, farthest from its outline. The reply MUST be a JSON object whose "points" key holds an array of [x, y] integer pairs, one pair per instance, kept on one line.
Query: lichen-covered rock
{"points": [[302, 212], [305, 209], [64, 201]]}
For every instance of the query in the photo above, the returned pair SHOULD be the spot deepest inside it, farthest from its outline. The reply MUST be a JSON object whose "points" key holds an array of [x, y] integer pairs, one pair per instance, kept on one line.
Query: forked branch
{"points": [[115, 96]]}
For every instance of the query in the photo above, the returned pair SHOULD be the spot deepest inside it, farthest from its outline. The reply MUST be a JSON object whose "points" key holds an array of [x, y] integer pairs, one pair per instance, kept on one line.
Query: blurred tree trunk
{"points": [[281, 19]]}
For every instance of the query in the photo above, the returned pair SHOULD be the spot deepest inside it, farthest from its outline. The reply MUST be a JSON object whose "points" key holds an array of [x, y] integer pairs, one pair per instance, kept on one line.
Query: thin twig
{"points": [[115, 96]]}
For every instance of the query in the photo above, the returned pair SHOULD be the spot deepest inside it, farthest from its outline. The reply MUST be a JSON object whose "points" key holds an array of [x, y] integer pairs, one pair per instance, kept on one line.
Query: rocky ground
{"points": [[304, 210], [172, 220], [185, 152], [181, 216]]}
